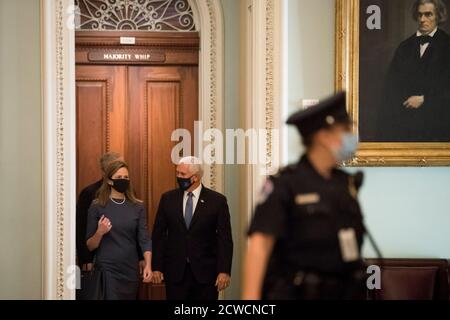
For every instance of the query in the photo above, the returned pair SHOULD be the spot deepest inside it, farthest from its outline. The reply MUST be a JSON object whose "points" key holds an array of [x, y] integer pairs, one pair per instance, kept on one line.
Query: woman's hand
{"points": [[104, 226], [147, 274]]}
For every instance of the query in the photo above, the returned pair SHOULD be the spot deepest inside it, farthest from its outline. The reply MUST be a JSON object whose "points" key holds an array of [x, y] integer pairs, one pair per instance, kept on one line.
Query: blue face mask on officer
{"points": [[347, 149]]}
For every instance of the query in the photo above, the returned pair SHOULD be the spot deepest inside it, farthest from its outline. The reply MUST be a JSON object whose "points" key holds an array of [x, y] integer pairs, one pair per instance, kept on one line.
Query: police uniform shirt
{"points": [[304, 212]]}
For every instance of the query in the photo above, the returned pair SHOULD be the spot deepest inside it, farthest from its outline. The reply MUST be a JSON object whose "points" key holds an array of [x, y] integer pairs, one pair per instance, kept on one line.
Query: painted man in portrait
{"points": [[417, 93]]}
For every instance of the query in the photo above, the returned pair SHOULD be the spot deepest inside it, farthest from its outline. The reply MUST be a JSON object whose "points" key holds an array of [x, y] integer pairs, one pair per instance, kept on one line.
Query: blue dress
{"points": [[117, 255]]}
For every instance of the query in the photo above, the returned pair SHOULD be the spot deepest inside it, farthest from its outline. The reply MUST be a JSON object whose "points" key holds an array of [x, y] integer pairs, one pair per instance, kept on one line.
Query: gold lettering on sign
{"points": [[123, 56]]}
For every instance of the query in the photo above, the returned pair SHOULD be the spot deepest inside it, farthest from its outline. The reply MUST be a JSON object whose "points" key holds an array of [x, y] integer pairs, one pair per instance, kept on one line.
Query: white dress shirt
{"points": [[195, 197], [424, 47]]}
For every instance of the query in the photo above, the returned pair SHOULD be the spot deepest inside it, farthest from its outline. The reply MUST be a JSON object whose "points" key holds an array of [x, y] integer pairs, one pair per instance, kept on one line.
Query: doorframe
{"points": [[59, 128]]}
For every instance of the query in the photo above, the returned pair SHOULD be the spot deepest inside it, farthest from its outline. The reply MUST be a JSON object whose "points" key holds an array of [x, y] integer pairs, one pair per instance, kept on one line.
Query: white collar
{"points": [[195, 192], [419, 34]]}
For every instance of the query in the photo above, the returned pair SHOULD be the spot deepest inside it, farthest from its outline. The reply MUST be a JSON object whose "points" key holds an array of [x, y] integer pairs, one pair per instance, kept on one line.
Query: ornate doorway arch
{"points": [[59, 122]]}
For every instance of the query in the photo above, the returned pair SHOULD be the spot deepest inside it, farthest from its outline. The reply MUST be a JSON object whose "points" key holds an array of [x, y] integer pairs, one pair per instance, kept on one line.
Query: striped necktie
{"points": [[188, 210]]}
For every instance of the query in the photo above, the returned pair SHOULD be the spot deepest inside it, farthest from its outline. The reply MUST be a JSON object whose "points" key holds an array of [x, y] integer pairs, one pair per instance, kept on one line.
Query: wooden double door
{"points": [[133, 110]]}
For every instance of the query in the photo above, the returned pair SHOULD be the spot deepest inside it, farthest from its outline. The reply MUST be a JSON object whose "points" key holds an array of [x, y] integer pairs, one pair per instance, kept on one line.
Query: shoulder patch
{"points": [[266, 191]]}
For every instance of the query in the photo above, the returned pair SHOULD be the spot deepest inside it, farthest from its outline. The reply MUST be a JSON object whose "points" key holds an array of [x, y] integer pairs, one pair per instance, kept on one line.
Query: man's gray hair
{"points": [[107, 158], [194, 164], [439, 6]]}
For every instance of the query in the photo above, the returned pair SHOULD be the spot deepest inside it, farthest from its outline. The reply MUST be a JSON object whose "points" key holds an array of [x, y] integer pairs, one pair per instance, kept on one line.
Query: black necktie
{"points": [[425, 39]]}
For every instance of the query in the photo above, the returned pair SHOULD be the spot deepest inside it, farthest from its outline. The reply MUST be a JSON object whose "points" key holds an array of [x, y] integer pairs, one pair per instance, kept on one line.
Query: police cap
{"points": [[323, 115]]}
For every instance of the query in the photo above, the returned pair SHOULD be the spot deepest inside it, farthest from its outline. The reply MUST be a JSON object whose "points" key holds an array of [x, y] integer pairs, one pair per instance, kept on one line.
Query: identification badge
{"points": [[349, 245], [309, 198]]}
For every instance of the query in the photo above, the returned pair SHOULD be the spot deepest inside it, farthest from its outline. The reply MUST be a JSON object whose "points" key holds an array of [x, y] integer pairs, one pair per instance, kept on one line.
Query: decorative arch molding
{"points": [[134, 15], [59, 128]]}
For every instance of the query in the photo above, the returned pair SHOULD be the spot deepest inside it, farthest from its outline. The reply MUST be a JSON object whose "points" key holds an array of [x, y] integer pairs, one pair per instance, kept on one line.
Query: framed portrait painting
{"points": [[393, 59]]}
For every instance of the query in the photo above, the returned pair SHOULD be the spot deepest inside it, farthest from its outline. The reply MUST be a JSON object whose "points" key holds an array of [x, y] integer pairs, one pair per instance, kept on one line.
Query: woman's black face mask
{"points": [[120, 185]]}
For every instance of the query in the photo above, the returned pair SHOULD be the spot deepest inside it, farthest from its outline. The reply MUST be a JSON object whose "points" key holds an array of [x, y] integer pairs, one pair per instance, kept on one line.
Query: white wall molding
{"points": [[58, 78], [59, 127], [211, 77], [263, 101]]}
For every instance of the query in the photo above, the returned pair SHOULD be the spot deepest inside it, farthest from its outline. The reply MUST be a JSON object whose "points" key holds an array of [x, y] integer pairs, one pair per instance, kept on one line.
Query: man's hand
{"points": [[142, 265], [223, 281], [87, 267], [414, 102], [158, 277]]}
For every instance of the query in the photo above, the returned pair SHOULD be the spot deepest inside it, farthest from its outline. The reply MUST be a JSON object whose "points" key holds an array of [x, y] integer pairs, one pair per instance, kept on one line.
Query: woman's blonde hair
{"points": [[103, 194]]}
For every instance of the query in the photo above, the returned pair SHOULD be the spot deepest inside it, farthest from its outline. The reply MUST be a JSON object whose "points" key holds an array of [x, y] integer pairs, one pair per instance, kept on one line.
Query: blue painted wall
{"points": [[408, 211]]}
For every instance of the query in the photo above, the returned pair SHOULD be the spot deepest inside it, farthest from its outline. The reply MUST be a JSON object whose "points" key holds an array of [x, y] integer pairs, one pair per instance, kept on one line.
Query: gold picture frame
{"points": [[374, 154]]}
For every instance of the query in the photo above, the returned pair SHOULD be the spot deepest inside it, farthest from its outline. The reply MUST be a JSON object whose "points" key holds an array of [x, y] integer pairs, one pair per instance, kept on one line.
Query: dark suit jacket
{"points": [[87, 195], [207, 244], [410, 75]]}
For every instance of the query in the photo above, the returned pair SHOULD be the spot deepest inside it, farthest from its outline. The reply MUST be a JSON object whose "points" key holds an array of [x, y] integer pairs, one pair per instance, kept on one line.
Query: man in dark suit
{"points": [[192, 242], [87, 195], [417, 105]]}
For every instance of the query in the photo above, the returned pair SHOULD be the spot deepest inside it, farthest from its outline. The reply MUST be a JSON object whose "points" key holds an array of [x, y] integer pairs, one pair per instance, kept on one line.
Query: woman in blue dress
{"points": [[117, 225]]}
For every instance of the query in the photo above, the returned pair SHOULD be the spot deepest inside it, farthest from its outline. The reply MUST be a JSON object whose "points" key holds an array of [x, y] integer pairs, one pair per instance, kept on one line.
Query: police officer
{"points": [[306, 235]]}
